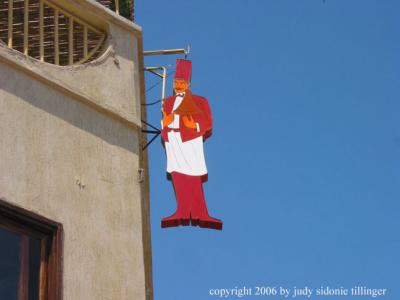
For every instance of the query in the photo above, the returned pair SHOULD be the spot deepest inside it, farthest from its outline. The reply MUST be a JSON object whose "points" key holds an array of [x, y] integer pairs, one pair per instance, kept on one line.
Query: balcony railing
{"points": [[121, 7], [48, 33]]}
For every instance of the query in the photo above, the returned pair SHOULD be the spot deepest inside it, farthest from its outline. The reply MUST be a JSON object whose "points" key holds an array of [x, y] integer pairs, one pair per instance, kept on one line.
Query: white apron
{"points": [[184, 157]]}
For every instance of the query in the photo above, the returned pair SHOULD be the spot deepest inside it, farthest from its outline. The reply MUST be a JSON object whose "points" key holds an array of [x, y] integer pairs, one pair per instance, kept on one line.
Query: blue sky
{"points": [[304, 159]]}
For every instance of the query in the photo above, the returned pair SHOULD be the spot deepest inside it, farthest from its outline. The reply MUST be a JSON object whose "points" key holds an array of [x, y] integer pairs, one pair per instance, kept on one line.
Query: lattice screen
{"points": [[46, 32]]}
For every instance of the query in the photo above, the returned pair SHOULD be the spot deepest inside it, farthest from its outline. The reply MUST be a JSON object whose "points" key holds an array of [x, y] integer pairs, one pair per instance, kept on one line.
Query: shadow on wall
{"points": [[70, 110]]}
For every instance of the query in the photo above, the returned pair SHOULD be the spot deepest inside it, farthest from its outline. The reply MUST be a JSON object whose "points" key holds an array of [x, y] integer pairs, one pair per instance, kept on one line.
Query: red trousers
{"points": [[191, 204]]}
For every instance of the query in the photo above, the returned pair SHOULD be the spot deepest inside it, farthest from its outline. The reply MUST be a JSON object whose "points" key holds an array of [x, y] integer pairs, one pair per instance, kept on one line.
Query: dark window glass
{"points": [[19, 266], [9, 264], [34, 268]]}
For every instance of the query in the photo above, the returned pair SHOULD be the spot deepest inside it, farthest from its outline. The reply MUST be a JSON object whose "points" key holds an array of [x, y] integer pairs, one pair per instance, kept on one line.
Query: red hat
{"points": [[183, 69]]}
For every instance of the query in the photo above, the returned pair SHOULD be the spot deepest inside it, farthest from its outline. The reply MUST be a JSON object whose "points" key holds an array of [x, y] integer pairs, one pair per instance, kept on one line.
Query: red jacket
{"points": [[204, 120]]}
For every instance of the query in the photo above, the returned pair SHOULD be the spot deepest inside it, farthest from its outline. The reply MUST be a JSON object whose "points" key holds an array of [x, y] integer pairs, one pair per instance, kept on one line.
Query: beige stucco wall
{"points": [[70, 151]]}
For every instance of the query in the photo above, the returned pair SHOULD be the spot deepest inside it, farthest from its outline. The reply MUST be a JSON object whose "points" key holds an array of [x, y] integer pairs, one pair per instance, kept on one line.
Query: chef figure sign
{"points": [[186, 124]]}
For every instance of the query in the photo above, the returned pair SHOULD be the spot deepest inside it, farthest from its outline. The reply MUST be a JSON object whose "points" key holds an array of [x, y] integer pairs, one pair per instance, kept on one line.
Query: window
{"points": [[30, 255]]}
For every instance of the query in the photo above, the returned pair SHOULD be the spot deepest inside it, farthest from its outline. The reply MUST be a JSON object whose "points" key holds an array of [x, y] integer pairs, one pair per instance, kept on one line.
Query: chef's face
{"points": [[180, 85]]}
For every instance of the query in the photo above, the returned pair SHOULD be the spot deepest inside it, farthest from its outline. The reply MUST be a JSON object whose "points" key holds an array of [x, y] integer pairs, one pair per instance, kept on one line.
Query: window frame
{"points": [[50, 234]]}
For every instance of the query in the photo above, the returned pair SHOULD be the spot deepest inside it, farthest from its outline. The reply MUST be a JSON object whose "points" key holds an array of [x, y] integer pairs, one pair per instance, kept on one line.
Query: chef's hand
{"points": [[189, 122], [167, 119]]}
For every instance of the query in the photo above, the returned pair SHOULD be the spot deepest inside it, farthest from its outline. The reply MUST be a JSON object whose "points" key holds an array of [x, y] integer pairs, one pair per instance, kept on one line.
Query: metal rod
{"points": [[26, 26], [155, 73], [10, 23], [41, 31], [56, 46], [151, 131], [148, 144], [154, 68], [164, 83], [117, 6], [163, 76], [85, 41], [155, 128], [167, 52], [71, 41]]}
